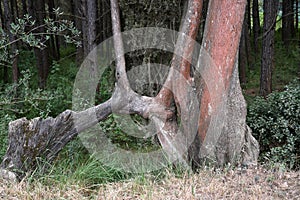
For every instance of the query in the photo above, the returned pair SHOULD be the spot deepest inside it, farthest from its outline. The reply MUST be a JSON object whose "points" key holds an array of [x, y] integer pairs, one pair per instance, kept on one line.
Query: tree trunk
{"points": [[248, 16], [13, 47], [297, 16], [233, 141], [267, 62], [84, 27], [1, 15], [78, 24], [243, 58], [14, 9], [287, 21], [42, 55], [54, 42], [256, 24], [24, 7], [91, 24], [215, 84], [5, 67]]}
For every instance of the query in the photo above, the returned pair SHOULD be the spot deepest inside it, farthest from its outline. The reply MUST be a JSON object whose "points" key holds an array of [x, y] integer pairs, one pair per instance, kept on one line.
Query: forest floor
{"points": [[254, 183]]}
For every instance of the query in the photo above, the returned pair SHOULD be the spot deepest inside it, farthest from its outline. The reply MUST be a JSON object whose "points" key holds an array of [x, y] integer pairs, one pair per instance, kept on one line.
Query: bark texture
{"points": [[31, 140], [267, 62], [220, 43]]}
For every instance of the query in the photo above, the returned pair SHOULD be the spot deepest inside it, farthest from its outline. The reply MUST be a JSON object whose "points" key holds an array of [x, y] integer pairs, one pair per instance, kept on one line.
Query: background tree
{"points": [[287, 21], [54, 41], [13, 48], [42, 55], [296, 16], [245, 48], [267, 62], [91, 24], [256, 23]]}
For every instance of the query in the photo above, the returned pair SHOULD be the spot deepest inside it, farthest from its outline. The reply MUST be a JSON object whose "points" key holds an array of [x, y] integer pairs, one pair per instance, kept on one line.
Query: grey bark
{"points": [[30, 140], [91, 24], [236, 143]]}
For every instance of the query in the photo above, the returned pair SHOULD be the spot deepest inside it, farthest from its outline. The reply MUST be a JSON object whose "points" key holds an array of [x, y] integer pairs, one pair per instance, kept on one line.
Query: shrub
{"points": [[22, 100], [275, 122]]}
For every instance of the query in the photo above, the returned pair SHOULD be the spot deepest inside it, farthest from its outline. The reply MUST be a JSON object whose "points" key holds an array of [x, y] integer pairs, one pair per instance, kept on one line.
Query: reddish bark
{"points": [[223, 18], [185, 48]]}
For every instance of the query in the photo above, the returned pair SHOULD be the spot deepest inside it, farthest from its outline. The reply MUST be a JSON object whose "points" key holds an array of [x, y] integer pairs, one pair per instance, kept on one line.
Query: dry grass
{"points": [[256, 183]]}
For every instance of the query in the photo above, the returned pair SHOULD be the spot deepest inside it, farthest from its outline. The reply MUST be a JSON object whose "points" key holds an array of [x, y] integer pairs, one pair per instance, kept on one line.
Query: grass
{"points": [[256, 183]]}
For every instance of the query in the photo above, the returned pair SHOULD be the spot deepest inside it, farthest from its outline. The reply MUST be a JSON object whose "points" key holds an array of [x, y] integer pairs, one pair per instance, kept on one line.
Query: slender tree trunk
{"points": [[256, 24], [54, 47], [1, 16], [248, 17], [244, 48], [13, 48], [243, 58], [24, 7], [77, 12], [297, 16], [42, 55], [5, 67], [267, 63], [84, 27], [91, 24], [287, 21]]}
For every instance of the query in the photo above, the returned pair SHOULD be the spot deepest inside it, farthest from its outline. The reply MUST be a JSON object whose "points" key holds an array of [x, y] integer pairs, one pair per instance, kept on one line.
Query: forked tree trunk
{"points": [[222, 139]]}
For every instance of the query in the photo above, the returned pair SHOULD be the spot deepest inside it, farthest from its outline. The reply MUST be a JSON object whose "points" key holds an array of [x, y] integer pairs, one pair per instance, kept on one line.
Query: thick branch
{"points": [[184, 49], [118, 46]]}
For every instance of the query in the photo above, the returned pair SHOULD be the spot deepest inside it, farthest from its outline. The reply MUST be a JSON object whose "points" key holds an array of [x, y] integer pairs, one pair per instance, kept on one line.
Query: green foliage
{"points": [[112, 127], [19, 101], [74, 165], [275, 122], [25, 30]]}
